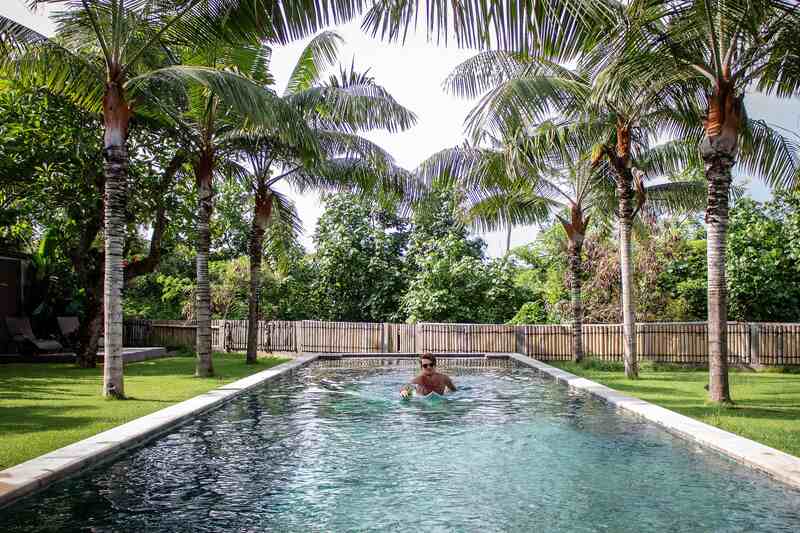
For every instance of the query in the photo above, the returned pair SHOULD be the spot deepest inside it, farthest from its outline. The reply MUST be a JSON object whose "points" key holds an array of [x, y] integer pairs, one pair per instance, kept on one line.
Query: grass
{"points": [[46, 406], [766, 408]]}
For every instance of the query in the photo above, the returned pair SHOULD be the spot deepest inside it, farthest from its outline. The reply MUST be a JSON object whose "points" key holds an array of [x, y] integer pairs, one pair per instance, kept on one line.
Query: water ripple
{"points": [[336, 450]]}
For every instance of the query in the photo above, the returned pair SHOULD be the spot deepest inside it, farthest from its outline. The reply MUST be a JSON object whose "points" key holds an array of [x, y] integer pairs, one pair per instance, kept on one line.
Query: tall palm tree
{"points": [[208, 121], [275, 213], [519, 90], [539, 173], [336, 110], [722, 48], [101, 47]]}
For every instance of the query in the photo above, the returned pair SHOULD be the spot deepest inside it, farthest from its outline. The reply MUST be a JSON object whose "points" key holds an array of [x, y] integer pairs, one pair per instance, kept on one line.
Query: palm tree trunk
{"points": [[203, 172], [625, 196], [575, 271], [628, 309], [116, 115], [718, 149], [261, 214], [717, 227]]}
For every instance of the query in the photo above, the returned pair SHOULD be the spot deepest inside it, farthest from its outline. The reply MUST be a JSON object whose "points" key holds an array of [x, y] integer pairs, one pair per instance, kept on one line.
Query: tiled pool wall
{"points": [[34, 475]]}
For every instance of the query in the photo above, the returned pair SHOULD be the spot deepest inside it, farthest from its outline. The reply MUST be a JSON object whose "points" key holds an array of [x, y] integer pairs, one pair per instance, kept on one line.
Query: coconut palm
{"points": [[543, 172], [521, 90], [721, 48], [207, 122], [101, 48], [335, 109]]}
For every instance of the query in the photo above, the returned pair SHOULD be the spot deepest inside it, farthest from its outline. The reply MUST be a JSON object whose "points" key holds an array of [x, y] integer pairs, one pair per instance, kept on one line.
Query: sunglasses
{"points": [[428, 365]]}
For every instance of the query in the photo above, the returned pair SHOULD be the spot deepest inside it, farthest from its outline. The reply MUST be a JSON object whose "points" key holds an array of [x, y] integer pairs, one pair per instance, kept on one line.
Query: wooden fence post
{"points": [[418, 340], [298, 336], [519, 339], [755, 344]]}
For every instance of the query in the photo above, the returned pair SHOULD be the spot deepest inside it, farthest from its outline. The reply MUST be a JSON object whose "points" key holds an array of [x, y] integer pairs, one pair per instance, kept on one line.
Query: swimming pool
{"points": [[333, 449]]}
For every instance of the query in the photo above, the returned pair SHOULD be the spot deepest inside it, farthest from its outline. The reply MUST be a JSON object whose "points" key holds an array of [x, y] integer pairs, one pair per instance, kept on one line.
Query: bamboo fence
{"points": [[768, 344]]}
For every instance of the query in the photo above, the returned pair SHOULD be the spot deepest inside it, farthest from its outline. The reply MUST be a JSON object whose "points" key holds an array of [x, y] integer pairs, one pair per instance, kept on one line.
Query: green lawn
{"points": [[767, 404], [46, 406]]}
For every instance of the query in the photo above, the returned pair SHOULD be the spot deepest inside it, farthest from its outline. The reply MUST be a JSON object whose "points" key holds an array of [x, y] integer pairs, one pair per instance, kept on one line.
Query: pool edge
{"points": [[779, 465], [40, 472]]}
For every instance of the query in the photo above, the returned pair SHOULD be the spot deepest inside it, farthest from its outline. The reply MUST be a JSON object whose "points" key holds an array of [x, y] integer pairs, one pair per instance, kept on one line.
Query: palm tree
{"points": [[500, 189], [102, 48], [621, 127], [208, 121], [722, 48], [543, 172], [335, 109]]}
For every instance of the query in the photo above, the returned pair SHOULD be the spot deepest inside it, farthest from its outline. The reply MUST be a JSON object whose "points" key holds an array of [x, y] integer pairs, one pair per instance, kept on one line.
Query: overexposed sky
{"points": [[413, 74]]}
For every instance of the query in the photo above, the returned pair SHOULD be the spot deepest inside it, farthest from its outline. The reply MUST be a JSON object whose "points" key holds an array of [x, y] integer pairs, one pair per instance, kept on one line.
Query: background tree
{"points": [[449, 278], [53, 180], [99, 48], [360, 272]]}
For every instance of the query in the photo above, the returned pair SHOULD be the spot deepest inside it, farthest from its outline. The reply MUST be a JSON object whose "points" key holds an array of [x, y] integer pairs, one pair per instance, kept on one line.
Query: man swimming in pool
{"points": [[429, 379]]}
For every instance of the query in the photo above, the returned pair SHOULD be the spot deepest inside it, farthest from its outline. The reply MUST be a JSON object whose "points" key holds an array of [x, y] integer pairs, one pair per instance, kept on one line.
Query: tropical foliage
{"points": [[608, 117]]}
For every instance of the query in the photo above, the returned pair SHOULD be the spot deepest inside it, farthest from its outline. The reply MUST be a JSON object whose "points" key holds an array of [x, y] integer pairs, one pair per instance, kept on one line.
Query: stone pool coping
{"points": [[38, 473], [775, 463]]}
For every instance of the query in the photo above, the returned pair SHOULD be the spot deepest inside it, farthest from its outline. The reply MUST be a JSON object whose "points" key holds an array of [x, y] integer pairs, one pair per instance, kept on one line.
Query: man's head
{"points": [[428, 363]]}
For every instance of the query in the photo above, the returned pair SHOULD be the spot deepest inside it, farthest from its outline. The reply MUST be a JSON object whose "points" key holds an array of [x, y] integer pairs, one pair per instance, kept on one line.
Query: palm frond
{"points": [[283, 232], [768, 155], [46, 64], [488, 69], [669, 159], [520, 103], [16, 37], [677, 197], [320, 54], [509, 208], [361, 107], [261, 106], [555, 29]]}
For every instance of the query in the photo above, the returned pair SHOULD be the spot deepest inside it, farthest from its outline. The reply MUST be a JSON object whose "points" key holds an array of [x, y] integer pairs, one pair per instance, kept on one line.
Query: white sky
{"points": [[413, 74]]}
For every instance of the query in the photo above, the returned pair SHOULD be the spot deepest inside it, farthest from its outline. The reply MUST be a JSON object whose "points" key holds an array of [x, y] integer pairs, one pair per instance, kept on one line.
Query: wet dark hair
{"points": [[429, 356]]}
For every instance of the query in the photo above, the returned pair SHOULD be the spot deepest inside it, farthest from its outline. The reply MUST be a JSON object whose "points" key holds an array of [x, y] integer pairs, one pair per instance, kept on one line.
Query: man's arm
{"points": [[449, 383], [404, 390]]}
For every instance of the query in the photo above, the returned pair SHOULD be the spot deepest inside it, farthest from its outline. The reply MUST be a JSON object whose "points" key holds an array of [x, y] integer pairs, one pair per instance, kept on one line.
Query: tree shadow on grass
{"points": [[741, 410], [27, 388], [638, 387], [18, 420]]}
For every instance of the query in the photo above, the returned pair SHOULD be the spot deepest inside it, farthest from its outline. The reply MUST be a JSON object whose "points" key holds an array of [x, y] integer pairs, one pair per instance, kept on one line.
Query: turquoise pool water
{"points": [[335, 450]]}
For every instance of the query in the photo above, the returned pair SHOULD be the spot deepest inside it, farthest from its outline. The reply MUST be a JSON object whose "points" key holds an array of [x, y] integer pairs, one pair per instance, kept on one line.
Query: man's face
{"points": [[427, 366]]}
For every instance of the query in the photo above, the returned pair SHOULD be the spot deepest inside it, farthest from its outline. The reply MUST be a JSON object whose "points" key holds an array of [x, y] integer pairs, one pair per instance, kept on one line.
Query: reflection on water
{"points": [[337, 450]]}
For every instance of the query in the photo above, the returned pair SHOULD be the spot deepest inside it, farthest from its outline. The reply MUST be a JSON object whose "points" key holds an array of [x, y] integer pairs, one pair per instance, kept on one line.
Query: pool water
{"points": [[337, 450]]}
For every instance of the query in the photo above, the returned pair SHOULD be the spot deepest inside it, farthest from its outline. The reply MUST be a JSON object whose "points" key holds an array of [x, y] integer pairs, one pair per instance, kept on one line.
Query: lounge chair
{"points": [[68, 326], [21, 333]]}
